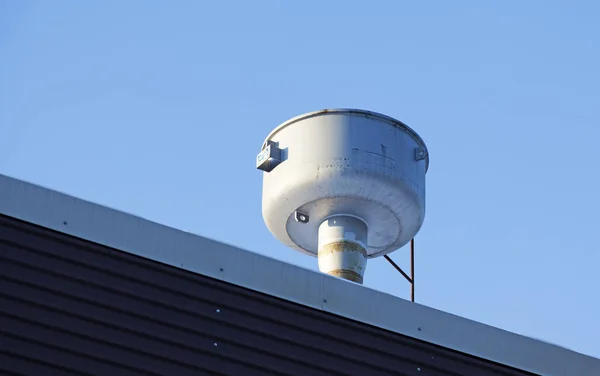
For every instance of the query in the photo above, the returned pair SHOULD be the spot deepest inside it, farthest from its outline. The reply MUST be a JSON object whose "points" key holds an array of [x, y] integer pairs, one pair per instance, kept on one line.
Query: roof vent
{"points": [[343, 185]]}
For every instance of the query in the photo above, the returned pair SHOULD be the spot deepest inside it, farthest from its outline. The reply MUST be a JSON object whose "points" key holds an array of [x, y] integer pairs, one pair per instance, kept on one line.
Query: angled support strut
{"points": [[410, 279]]}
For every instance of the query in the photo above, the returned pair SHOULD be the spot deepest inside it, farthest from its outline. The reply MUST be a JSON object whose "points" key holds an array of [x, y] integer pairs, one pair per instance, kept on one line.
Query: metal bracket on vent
{"points": [[420, 154], [301, 217], [269, 157]]}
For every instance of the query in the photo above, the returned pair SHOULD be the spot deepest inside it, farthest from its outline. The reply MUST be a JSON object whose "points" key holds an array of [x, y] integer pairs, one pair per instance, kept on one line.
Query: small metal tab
{"points": [[301, 217], [420, 154], [269, 157]]}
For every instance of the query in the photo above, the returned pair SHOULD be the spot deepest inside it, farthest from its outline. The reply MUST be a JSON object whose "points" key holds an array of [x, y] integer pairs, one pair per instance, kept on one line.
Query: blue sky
{"points": [[159, 108]]}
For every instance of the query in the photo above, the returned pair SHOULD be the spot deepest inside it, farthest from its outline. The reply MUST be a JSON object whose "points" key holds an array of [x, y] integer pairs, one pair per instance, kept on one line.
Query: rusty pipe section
{"points": [[342, 247]]}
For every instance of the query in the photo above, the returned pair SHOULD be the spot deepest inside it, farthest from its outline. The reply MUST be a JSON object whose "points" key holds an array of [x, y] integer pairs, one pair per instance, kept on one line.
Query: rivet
{"points": [[215, 344], [218, 310]]}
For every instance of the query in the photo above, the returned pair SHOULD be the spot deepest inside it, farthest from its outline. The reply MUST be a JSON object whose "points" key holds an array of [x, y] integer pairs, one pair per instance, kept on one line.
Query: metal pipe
{"points": [[342, 247], [412, 270]]}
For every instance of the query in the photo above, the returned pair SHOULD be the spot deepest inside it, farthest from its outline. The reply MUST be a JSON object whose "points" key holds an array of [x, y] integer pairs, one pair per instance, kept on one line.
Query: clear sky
{"points": [[159, 108]]}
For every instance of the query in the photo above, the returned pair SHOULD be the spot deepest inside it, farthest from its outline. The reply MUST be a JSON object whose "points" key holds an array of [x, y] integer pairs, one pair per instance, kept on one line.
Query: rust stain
{"points": [[347, 274], [342, 246]]}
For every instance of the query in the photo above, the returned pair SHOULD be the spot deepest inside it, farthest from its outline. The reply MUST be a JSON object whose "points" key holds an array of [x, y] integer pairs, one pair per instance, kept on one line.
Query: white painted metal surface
{"points": [[344, 162], [342, 247], [129, 233]]}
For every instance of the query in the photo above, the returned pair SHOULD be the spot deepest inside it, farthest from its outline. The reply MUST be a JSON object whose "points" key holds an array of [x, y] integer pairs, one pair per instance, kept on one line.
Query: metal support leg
{"points": [[410, 279]]}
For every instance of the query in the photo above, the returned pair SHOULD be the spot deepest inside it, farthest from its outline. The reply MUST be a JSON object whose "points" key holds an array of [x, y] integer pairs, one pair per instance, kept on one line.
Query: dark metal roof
{"points": [[95, 290], [67, 304]]}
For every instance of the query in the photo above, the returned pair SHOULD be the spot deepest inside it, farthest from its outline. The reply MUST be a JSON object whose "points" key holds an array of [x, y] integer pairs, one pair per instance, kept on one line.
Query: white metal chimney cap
{"points": [[344, 162]]}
